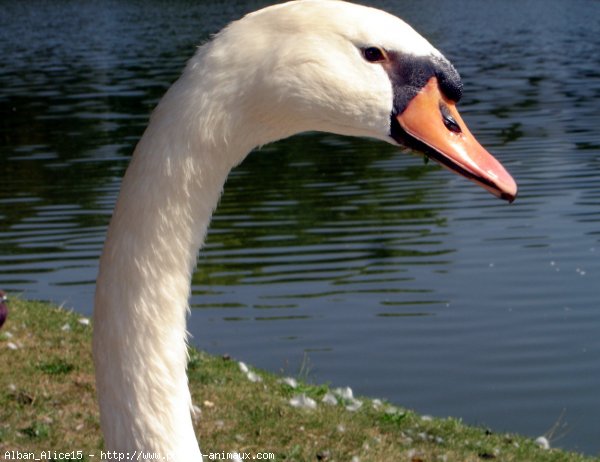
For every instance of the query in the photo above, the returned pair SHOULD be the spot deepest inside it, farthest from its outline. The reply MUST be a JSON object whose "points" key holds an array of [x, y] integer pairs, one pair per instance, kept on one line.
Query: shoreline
{"points": [[47, 403]]}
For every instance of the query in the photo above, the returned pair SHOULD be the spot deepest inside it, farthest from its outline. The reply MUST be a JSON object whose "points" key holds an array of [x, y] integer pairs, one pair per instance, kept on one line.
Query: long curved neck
{"points": [[167, 197]]}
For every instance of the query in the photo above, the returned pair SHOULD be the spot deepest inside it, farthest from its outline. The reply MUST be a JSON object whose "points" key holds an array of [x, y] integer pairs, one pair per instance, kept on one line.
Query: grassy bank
{"points": [[47, 403]]}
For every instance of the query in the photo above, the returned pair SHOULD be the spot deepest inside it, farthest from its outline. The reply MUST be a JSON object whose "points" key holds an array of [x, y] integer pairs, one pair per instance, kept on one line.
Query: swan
{"points": [[323, 65]]}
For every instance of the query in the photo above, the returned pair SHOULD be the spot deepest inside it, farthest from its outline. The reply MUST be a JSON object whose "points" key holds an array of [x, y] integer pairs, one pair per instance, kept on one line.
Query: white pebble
{"points": [[12, 346], [413, 454], [290, 382], [253, 377], [542, 442], [354, 405], [66, 327], [84, 321], [303, 401], [344, 393], [330, 399], [243, 367], [392, 410], [376, 403]]}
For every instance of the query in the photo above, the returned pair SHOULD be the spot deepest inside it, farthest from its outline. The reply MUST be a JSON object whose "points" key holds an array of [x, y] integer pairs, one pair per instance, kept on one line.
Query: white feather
{"points": [[280, 71]]}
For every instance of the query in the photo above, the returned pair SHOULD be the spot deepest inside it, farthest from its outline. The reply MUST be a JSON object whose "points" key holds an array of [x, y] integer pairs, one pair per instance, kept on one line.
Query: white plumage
{"points": [[277, 72]]}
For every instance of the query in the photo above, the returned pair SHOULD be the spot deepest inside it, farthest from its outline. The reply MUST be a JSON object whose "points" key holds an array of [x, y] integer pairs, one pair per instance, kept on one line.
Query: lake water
{"points": [[343, 258]]}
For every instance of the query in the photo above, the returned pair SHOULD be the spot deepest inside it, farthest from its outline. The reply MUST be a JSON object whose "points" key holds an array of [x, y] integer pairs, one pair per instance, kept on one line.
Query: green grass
{"points": [[47, 403]]}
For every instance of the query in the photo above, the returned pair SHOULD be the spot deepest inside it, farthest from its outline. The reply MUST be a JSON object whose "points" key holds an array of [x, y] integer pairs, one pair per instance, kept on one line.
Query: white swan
{"points": [[308, 65]]}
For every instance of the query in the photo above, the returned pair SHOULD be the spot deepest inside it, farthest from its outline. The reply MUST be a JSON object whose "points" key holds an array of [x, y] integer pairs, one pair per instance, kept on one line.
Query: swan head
{"points": [[328, 65]]}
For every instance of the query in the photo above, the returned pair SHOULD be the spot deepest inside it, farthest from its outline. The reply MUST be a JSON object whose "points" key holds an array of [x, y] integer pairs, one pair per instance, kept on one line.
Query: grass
{"points": [[47, 403]]}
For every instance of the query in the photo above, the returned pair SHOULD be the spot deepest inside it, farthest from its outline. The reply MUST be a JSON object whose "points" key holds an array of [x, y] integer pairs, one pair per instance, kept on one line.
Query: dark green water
{"points": [[399, 279]]}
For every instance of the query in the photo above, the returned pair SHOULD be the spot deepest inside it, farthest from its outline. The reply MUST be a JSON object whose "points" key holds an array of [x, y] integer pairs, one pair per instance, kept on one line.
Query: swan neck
{"points": [[166, 201]]}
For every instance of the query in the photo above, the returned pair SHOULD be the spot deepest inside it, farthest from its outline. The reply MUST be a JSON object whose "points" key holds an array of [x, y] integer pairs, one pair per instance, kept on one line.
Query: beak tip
{"points": [[509, 192], [509, 197]]}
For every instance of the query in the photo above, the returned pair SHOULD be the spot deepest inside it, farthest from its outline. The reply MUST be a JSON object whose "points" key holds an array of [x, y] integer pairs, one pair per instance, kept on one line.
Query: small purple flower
{"points": [[3, 307]]}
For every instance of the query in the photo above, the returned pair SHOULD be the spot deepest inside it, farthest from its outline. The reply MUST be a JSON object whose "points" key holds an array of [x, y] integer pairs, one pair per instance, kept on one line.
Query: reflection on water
{"points": [[324, 225], [395, 277]]}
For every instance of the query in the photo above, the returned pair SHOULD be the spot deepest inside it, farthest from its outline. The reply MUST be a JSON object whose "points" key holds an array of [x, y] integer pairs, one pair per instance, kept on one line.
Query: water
{"points": [[341, 256]]}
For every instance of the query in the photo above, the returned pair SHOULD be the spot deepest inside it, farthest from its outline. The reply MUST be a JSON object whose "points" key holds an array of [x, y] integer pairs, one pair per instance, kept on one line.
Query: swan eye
{"points": [[373, 54]]}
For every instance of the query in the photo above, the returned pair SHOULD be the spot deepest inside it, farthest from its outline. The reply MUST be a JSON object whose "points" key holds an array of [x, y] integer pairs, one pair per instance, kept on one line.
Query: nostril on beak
{"points": [[449, 121]]}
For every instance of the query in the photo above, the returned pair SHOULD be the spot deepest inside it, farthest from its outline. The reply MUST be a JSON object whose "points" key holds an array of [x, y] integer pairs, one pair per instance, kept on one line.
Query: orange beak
{"points": [[434, 121]]}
